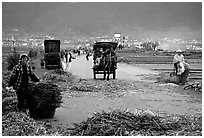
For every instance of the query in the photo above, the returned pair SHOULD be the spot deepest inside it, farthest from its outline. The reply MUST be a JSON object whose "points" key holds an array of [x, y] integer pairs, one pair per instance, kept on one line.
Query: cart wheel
{"points": [[94, 74], [104, 75], [114, 74]]}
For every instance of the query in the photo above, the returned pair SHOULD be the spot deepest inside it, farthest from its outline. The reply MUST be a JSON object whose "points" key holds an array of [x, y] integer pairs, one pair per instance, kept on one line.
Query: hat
{"points": [[178, 51], [23, 56]]}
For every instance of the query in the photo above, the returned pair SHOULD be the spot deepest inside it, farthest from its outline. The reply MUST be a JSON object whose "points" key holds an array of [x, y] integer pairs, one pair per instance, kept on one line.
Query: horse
{"points": [[120, 46], [106, 62]]}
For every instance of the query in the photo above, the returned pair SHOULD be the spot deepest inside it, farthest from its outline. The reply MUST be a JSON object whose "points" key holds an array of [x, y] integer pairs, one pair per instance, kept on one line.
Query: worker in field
{"points": [[178, 58], [19, 81], [183, 70]]}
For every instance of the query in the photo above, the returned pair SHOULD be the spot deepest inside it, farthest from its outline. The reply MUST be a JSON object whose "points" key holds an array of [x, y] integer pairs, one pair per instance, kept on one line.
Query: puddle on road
{"points": [[78, 109]]}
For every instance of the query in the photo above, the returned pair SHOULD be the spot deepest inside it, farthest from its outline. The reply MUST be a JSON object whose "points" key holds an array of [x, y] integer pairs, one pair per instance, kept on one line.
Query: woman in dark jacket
{"points": [[19, 80]]}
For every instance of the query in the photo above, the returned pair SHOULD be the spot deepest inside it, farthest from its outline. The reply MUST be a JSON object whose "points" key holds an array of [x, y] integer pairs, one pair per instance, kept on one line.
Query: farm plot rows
{"points": [[158, 62]]}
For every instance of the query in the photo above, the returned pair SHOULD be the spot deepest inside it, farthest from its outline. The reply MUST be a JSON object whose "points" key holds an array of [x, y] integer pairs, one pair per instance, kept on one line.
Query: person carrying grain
{"points": [[19, 81]]}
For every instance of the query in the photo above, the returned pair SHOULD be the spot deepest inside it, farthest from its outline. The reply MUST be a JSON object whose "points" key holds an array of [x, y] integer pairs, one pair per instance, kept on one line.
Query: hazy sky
{"points": [[149, 16]]}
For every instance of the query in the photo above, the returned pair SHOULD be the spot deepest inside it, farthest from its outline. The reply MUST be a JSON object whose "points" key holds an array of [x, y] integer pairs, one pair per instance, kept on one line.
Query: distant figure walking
{"points": [[79, 52], [63, 62], [66, 59], [87, 55], [42, 63], [69, 61]]}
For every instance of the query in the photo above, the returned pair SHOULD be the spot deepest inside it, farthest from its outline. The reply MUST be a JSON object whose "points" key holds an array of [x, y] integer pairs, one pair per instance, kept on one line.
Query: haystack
{"points": [[43, 99]]}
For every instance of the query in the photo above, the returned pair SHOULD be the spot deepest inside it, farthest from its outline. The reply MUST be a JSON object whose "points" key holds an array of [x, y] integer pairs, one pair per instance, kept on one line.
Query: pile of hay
{"points": [[124, 123], [9, 104], [44, 98], [166, 78], [20, 124], [196, 86], [5, 82], [57, 76]]}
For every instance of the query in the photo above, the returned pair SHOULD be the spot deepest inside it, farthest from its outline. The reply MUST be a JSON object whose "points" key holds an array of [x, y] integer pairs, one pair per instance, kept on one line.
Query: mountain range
{"points": [[135, 19]]}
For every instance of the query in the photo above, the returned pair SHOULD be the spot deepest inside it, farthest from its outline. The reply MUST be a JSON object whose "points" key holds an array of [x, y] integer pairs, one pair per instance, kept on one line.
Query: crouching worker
{"points": [[183, 71], [178, 57], [19, 81]]}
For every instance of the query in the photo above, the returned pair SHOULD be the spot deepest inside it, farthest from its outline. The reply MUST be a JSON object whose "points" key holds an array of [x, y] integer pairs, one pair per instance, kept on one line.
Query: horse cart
{"points": [[104, 59]]}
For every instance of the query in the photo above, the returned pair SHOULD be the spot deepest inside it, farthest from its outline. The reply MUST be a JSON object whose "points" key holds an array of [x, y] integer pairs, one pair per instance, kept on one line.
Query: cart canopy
{"points": [[105, 45]]}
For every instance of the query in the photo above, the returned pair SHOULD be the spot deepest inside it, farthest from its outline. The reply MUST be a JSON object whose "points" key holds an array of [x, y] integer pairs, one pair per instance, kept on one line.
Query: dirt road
{"points": [[158, 98], [82, 68]]}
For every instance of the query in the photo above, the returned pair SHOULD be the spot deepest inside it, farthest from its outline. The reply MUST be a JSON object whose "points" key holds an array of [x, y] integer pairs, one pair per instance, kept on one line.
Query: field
{"points": [[155, 60], [82, 91], [162, 61]]}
